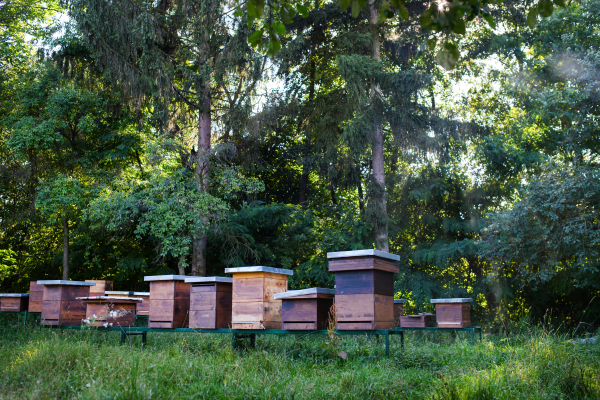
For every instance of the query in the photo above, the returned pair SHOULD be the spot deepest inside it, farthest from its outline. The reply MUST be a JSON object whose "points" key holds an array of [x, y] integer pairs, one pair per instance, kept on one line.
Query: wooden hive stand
{"points": [[453, 313], [14, 302], [306, 309], [169, 301], [100, 288], [398, 308], [210, 302], [143, 307], [36, 297], [253, 304], [118, 311], [364, 281], [60, 304]]}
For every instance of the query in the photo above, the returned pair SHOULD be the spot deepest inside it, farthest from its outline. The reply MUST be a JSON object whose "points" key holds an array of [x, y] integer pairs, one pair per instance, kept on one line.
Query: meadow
{"points": [[531, 363]]}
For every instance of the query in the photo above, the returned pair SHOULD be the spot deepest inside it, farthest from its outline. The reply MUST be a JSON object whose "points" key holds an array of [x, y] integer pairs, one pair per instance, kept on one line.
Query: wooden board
{"points": [[364, 282], [453, 315], [363, 263], [36, 296], [14, 304], [100, 288], [143, 307]]}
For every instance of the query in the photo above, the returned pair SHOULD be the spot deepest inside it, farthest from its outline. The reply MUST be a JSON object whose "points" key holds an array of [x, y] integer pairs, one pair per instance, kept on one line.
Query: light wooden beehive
{"points": [[453, 313], [253, 303]]}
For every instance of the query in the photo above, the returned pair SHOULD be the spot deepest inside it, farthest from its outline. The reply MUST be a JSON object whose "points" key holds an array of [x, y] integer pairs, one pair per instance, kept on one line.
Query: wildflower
{"points": [[105, 324]]}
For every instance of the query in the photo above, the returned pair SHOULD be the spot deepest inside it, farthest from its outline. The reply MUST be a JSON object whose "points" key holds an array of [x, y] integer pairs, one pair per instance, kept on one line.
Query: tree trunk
{"points": [[65, 272], [200, 239], [381, 228], [180, 265], [307, 141]]}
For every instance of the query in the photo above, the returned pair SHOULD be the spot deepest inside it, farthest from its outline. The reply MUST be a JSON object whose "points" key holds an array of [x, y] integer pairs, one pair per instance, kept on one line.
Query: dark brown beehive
{"points": [[253, 305], [169, 301], [60, 304], [306, 309], [364, 296], [422, 320], [453, 313], [14, 302], [210, 302], [36, 296], [398, 308], [105, 310]]}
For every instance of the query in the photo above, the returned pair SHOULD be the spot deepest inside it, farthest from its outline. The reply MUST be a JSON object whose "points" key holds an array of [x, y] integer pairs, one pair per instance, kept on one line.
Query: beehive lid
{"points": [[457, 300], [304, 292], [119, 299], [14, 295], [155, 278], [67, 283], [258, 269], [396, 301], [208, 279], [122, 293], [364, 253]]}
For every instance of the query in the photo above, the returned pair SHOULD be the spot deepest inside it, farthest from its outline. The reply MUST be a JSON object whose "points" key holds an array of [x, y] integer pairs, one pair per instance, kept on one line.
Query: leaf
{"points": [[532, 17], [256, 37], [403, 12], [344, 4], [446, 58], [355, 8], [302, 10], [279, 28], [459, 27], [546, 8], [560, 3]]}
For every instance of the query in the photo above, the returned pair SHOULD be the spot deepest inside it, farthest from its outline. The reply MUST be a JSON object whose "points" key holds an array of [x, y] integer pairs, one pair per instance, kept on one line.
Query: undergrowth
{"points": [[52, 363]]}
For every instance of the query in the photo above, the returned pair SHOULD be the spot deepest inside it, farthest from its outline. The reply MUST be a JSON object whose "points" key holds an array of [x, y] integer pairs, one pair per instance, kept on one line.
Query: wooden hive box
{"points": [[421, 320], [36, 297], [210, 302], [110, 310], [143, 307], [60, 304], [364, 281], [398, 308], [253, 305], [169, 301], [306, 309], [100, 288], [453, 313], [14, 302]]}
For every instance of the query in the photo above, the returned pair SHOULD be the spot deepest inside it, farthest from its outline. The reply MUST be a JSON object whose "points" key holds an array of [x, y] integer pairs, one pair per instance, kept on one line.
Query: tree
{"points": [[187, 58]]}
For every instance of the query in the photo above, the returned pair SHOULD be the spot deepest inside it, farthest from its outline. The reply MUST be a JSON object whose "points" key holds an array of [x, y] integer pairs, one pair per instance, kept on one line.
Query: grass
{"points": [[51, 363]]}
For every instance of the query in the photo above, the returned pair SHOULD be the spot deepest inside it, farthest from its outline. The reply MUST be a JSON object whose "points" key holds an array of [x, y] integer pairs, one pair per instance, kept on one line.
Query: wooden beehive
{"points": [[60, 304], [210, 302], [14, 302], [36, 297], [453, 313], [398, 308], [422, 320], [306, 309], [364, 296], [143, 307], [253, 305], [100, 288], [118, 311], [169, 301]]}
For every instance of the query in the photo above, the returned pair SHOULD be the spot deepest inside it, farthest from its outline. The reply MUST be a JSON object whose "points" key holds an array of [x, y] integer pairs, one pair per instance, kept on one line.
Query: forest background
{"points": [[142, 138]]}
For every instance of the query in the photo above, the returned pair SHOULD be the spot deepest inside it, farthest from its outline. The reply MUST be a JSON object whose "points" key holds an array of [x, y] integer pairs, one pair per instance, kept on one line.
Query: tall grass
{"points": [[51, 363]]}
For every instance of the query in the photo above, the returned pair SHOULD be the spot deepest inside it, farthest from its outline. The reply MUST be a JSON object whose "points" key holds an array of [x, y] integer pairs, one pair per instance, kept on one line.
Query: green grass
{"points": [[51, 363]]}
